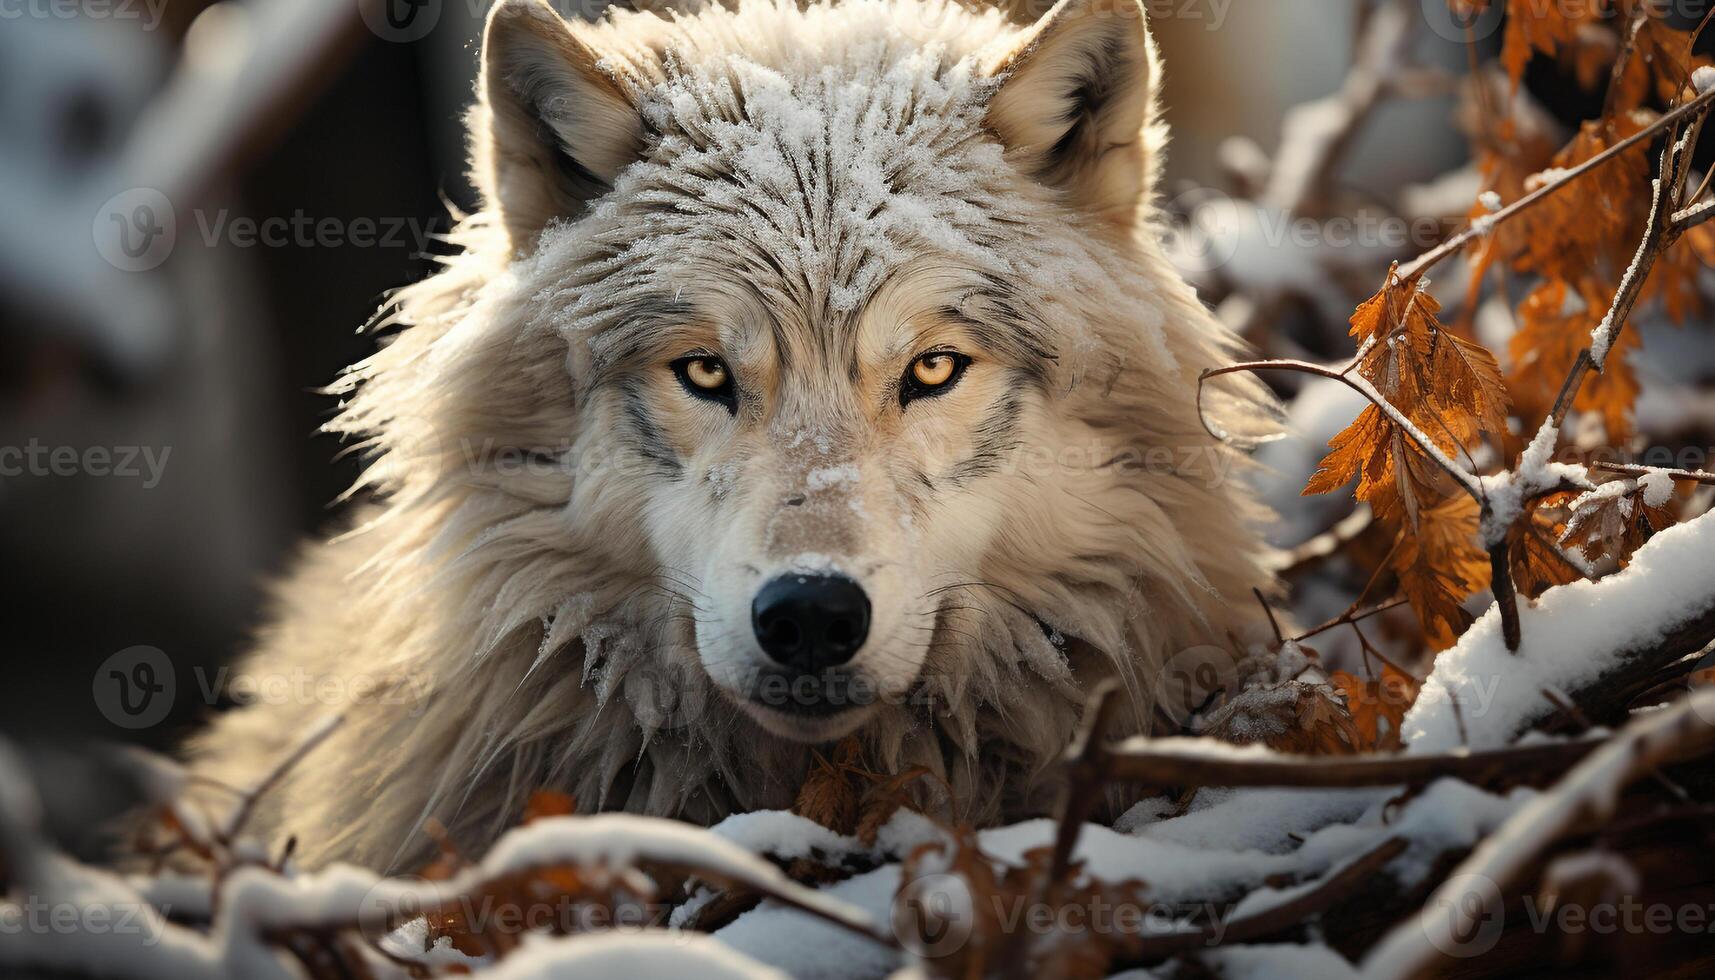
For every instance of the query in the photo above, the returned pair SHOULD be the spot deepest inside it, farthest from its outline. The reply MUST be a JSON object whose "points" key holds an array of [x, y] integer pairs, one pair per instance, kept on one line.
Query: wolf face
{"points": [[810, 371], [828, 305]]}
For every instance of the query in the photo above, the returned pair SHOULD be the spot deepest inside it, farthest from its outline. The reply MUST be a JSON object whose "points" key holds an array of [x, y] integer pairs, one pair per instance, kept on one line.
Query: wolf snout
{"points": [[809, 623]]}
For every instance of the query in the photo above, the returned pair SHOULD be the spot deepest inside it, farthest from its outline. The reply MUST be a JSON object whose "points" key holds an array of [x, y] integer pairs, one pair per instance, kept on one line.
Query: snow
{"points": [[1278, 962], [1703, 79], [648, 955], [1259, 819], [1602, 337], [1537, 472], [783, 835], [1570, 636], [808, 948], [831, 476], [1490, 200], [1657, 487]]}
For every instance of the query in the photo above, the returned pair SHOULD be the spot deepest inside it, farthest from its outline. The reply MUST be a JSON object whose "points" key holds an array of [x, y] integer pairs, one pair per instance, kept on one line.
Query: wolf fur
{"points": [[550, 589]]}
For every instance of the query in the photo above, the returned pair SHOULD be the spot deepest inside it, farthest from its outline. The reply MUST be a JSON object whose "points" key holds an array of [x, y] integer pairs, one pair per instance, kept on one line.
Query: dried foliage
{"points": [[1575, 235]]}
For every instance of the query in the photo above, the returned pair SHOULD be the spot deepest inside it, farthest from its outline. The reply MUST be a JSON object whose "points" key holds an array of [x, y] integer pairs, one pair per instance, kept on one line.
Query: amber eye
{"points": [[706, 376], [931, 374]]}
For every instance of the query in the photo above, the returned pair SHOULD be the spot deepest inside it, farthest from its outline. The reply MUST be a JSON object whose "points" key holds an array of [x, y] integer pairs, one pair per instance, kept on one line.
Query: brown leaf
{"points": [[1378, 706], [1554, 326], [832, 788], [1615, 525], [549, 803], [1440, 566]]}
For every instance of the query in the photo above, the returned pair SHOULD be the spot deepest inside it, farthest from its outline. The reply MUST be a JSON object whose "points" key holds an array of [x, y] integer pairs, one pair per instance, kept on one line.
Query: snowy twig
{"points": [[1196, 762], [1589, 794], [1452, 245], [1465, 478], [1633, 469], [1330, 891], [247, 802]]}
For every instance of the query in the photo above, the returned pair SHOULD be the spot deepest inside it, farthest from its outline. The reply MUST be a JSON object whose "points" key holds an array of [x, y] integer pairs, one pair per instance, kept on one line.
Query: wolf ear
{"points": [[1076, 104], [552, 129]]}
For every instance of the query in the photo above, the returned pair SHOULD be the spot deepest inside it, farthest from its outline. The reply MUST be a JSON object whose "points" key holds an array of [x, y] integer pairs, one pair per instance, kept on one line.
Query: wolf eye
{"points": [[931, 374], [706, 376]]}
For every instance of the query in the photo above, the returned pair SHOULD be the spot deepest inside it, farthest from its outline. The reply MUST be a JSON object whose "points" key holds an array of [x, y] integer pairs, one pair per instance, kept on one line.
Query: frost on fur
{"points": [[551, 584]]}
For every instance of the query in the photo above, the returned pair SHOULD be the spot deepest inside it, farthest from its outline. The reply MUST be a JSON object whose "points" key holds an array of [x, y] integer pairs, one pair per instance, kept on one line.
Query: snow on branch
{"points": [[1581, 638]]}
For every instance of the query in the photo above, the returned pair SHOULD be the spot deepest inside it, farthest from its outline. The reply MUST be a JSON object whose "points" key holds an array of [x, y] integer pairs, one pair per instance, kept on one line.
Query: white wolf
{"points": [[810, 371]]}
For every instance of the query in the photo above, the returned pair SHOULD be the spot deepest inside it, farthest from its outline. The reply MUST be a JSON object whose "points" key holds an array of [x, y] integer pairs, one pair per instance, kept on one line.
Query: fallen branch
{"points": [[1277, 919], [1589, 794], [1191, 762]]}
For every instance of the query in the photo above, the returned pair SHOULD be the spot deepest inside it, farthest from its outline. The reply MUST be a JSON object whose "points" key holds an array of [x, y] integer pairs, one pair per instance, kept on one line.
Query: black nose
{"points": [[810, 622]]}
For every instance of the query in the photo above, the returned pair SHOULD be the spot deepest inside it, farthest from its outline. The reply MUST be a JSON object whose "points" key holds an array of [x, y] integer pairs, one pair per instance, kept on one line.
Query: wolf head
{"points": [[821, 364]]}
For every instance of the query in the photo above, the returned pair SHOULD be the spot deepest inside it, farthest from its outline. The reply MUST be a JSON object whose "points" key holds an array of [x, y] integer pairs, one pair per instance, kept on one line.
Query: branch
{"points": [[1351, 616], [1589, 794], [1632, 469], [1360, 385], [1334, 887], [1193, 762], [1435, 255]]}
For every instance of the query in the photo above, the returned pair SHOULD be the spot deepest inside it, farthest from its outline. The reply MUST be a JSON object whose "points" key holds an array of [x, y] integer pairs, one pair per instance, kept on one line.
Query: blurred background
{"points": [[200, 205]]}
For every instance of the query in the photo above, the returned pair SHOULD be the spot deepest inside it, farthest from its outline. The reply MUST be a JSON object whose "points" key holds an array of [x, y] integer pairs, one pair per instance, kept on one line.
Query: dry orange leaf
{"points": [[1377, 707], [1554, 325], [549, 803], [1616, 526], [1534, 27], [1440, 566], [1538, 564]]}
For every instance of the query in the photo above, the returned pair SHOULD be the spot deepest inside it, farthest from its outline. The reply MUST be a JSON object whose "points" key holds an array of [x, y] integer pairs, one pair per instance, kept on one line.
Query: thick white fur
{"points": [[542, 607]]}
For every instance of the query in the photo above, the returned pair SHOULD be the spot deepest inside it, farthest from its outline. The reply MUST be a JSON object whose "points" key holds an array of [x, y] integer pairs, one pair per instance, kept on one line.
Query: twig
{"points": [[1352, 616], [1333, 887], [1362, 386], [247, 804], [1192, 762], [1588, 794], [1435, 255], [1632, 469], [1327, 543], [1268, 610], [1088, 772]]}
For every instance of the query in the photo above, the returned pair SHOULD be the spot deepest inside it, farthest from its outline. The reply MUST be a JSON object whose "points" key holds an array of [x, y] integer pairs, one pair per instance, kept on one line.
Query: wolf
{"points": [[811, 373]]}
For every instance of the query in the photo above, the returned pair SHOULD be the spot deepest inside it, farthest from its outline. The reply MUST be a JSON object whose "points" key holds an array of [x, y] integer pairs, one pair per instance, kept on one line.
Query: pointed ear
{"points": [[552, 129], [1076, 104]]}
